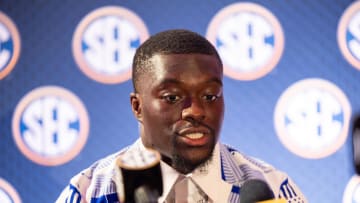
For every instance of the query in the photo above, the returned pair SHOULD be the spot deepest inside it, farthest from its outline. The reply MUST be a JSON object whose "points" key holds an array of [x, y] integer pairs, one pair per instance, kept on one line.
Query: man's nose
{"points": [[193, 110]]}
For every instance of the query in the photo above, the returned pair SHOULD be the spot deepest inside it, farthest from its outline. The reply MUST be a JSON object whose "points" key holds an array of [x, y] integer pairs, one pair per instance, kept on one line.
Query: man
{"points": [[178, 102]]}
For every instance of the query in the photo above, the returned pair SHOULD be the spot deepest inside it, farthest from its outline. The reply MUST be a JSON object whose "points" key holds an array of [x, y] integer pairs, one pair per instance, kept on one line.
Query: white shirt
{"points": [[208, 177]]}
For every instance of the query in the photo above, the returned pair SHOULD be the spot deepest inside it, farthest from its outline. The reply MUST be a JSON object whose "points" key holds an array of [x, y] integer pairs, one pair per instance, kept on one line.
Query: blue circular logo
{"points": [[249, 40], [105, 42], [7, 193], [349, 34], [312, 118], [9, 45], [352, 190], [50, 125]]}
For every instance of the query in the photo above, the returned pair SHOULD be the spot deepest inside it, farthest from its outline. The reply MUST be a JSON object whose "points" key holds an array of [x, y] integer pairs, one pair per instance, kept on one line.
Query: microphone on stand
{"points": [[356, 143], [141, 175], [257, 191]]}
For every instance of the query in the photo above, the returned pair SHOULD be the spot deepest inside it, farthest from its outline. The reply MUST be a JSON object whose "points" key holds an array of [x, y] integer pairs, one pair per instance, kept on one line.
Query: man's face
{"points": [[181, 108]]}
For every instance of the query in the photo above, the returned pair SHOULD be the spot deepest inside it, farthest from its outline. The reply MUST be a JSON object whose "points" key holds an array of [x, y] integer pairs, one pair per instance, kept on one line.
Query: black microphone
{"points": [[141, 173], [356, 143], [255, 190]]}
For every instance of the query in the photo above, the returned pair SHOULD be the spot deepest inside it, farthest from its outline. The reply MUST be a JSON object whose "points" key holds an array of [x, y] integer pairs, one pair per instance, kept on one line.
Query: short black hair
{"points": [[176, 41]]}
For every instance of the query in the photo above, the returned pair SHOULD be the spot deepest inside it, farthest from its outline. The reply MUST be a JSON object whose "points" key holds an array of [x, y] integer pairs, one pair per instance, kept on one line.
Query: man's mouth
{"points": [[195, 139], [194, 135]]}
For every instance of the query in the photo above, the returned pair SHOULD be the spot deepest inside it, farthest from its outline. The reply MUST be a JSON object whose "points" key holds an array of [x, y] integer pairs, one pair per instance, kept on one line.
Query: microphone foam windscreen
{"points": [[356, 143], [255, 190], [141, 174]]}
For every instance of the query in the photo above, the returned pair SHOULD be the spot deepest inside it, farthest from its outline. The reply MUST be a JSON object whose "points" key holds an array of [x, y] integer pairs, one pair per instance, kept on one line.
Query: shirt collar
{"points": [[206, 176]]}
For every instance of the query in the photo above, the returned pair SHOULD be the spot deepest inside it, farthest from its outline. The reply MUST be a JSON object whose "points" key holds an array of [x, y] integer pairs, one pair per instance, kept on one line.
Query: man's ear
{"points": [[136, 106]]}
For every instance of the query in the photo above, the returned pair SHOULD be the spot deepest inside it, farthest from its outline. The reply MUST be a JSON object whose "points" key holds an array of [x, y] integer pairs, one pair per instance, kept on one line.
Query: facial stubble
{"points": [[184, 165]]}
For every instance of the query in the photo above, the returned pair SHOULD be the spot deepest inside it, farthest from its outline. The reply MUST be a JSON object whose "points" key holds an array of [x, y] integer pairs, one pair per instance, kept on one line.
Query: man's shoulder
{"points": [[97, 166], [92, 181], [239, 158], [106, 161], [104, 166]]}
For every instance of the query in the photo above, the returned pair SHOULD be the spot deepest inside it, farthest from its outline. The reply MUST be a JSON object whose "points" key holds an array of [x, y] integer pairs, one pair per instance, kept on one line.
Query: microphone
{"points": [[356, 143], [255, 190], [141, 173], [274, 201]]}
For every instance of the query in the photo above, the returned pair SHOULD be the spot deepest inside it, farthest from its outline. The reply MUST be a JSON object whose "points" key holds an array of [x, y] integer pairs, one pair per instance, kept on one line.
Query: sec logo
{"points": [[352, 190], [348, 34], [7, 193], [105, 42], [9, 45], [50, 125], [312, 118], [249, 40]]}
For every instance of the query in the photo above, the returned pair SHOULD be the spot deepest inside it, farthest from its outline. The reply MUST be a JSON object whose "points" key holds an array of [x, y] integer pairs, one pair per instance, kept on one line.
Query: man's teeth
{"points": [[194, 135]]}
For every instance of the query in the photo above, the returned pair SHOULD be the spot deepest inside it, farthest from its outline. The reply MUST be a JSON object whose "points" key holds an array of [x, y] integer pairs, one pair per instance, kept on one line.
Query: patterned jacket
{"points": [[102, 182]]}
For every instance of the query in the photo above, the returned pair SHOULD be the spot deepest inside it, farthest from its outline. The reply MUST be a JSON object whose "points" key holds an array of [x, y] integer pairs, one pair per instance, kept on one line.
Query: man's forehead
{"points": [[157, 60], [168, 69], [174, 81], [166, 54]]}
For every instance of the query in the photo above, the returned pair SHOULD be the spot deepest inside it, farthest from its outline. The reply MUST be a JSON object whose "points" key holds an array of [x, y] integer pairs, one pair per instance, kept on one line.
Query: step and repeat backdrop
{"points": [[292, 86]]}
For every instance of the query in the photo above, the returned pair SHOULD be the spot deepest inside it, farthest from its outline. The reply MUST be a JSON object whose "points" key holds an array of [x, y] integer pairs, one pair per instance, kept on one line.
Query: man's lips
{"points": [[194, 136], [194, 133]]}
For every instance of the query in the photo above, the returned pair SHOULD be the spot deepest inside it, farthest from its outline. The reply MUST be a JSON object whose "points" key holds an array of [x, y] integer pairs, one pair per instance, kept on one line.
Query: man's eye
{"points": [[171, 98], [210, 97]]}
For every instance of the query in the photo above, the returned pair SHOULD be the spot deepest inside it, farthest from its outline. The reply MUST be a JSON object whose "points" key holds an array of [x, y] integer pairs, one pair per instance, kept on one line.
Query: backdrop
{"points": [[292, 71]]}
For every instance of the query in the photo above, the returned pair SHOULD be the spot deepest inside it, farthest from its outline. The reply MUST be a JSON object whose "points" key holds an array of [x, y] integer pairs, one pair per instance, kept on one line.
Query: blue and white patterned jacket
{"points": [[102, 182]]}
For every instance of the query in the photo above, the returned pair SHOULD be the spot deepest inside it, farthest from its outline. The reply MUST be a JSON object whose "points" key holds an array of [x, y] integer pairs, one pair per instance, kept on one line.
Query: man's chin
{"points": [[187, 163]]}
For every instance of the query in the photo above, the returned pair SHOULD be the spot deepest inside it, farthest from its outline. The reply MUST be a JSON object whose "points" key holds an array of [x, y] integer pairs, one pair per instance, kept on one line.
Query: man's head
{"points": [[169, 42], [178, 98]]}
